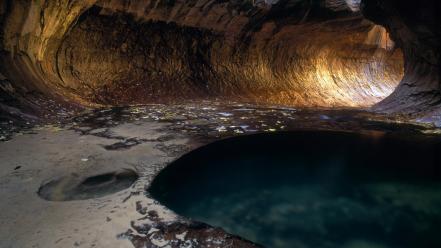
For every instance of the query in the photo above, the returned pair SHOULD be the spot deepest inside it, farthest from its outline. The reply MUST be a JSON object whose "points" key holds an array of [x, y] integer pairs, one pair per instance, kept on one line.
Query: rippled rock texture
{"points": [[416, 28], [115, 52]]}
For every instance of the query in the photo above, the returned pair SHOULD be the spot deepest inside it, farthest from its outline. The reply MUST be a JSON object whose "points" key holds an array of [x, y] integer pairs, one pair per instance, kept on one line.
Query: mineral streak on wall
{"points": [[301, 53]]}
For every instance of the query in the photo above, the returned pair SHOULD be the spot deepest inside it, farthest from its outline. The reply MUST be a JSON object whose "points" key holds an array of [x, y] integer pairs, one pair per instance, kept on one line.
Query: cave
{"points": [[104, 103]]}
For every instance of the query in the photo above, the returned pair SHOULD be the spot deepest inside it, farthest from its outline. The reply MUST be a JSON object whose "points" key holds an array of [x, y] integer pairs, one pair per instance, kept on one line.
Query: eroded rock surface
{"points": [[113, 52], [416, 28]]}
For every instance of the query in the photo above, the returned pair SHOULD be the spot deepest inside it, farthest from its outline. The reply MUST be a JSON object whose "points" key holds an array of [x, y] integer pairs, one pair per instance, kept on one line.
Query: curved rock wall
{"points": [[416, 27], [301, 53], [30, 34]]}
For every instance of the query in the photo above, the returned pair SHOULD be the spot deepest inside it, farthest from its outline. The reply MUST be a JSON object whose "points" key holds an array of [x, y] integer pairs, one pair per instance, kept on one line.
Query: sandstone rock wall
{"points": [[416, 28], [301, 53]]}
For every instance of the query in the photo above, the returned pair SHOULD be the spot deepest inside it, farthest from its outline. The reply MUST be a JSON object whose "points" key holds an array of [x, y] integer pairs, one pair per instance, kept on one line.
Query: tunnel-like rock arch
{"points": [[416, 27], [300, 53]]}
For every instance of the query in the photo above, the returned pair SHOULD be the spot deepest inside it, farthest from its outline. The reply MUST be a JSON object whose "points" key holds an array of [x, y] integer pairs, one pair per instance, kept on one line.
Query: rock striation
{"points": [[416, 28], [323, 53]]}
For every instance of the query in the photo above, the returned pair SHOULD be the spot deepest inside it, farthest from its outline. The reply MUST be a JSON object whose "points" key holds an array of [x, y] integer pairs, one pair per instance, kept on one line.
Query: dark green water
{"points": [[312, 189]]}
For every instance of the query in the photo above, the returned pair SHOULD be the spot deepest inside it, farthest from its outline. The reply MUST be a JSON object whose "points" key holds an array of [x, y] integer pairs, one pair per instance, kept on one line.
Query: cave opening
{"points": [[311, 189]]}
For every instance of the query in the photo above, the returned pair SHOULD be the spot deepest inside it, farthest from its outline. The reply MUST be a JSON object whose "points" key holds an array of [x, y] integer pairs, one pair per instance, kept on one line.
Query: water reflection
{"points": [[312, 189]]}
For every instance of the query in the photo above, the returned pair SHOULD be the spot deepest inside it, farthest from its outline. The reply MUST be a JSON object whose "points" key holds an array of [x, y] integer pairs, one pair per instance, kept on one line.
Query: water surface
{"points": [[312, 189]]}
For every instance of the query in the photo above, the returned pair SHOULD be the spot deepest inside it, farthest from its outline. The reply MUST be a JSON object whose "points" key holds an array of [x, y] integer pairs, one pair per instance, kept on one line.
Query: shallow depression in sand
{"points": [[76, 187], [312, 189]]}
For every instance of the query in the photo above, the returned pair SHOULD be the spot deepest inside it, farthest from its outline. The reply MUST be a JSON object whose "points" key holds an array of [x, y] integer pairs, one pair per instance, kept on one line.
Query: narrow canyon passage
{"points": [[102, 100]]}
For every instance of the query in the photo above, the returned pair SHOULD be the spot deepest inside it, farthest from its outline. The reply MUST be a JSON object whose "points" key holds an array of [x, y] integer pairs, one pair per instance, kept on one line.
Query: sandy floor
{"points": [[29, 221]]}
